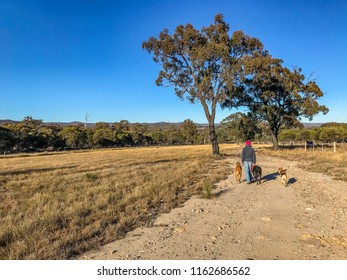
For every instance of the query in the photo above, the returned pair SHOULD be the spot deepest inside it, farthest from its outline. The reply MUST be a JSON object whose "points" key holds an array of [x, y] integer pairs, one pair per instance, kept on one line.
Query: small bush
{"points": [[207, 190], [92, 177]]}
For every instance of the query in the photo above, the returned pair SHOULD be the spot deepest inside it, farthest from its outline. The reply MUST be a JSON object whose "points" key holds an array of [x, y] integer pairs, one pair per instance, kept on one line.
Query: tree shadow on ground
{"points": [[32, 170]]}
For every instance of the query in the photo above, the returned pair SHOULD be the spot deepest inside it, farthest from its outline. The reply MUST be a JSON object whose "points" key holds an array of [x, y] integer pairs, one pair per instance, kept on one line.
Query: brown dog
{"points": [[283, 175], [238, 172]]}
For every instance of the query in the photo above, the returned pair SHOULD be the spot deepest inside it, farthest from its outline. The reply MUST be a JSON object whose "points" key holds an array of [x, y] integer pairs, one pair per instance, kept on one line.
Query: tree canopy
{"points": [[277, 95], [241, 126], [202, 65]]}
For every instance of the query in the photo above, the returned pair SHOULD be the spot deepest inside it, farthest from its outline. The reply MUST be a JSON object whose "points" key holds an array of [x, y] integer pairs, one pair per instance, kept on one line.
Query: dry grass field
{"points": [[58, 205], [317, 160], [55, 206]]}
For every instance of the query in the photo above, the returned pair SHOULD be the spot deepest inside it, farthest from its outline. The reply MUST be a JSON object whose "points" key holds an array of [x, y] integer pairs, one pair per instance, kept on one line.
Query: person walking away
{"points": [[248, 160]]}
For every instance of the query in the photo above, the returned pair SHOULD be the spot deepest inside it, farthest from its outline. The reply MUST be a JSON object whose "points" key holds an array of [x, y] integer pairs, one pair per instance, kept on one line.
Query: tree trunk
{"points": [[213, 138], [274, 141], [211, 127]]}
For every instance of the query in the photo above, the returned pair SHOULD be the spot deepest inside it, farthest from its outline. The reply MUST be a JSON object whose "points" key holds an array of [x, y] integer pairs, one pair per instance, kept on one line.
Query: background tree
{"points": [[241, 127], [315, 134], [287, 135], [7, 140], [53, 141], [172, 136], [103, 135], [303, 135], [75, 137], [329, 134], [202, 65], [29, 135], [201, 136], [278, 95], [188, 131], [340, 131], [137, 132], [121, 133], [87, 119]]}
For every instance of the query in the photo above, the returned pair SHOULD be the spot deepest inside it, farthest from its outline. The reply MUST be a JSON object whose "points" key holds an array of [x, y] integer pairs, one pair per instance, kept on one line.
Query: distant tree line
{"points": [[31, 135], [326, 133]]}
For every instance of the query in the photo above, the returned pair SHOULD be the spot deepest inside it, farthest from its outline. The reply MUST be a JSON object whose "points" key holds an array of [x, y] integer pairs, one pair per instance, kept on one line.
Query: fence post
{"points": [[334, 147]]}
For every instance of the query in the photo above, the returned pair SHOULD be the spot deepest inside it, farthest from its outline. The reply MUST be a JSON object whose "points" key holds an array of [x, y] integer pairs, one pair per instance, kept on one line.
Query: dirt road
{"points": [[305, 220]]}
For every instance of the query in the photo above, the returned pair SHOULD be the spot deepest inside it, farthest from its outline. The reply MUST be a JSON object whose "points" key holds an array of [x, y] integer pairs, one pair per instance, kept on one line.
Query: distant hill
{"points": [[7, 121], [47, 123], [155, 124], [312, 124]]}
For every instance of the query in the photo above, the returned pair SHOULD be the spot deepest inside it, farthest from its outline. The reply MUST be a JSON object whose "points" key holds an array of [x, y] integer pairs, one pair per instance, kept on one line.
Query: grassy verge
{"points": [[317, 160], [56, 206]]}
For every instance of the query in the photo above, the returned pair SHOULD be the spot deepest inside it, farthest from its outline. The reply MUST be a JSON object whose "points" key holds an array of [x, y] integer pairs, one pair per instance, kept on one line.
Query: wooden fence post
{"points": [[334, 147]]}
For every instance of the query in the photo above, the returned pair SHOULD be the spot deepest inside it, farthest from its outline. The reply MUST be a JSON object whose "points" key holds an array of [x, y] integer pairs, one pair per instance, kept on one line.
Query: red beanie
{"points": [[248, 143]]}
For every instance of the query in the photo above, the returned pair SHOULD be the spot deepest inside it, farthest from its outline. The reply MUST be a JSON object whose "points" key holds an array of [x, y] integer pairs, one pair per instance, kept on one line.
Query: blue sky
{"points": [[60, 60]]}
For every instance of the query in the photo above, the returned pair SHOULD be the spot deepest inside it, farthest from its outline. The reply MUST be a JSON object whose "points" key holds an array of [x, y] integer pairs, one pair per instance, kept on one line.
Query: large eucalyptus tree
{"points": [[203, 65], [279, 96]]}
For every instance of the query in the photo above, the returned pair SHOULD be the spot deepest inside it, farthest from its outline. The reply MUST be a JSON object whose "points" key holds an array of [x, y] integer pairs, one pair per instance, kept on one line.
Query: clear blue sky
{"points": [[62, 59]]}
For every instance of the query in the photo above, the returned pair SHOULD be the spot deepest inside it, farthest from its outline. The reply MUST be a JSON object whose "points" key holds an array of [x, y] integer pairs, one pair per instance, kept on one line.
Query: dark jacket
{"points": [[248, 154]]}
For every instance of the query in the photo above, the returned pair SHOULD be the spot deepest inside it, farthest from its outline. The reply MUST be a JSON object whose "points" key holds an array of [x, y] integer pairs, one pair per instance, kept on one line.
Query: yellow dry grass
{"points": [[318, 160], [55, 206], [58, 205]]}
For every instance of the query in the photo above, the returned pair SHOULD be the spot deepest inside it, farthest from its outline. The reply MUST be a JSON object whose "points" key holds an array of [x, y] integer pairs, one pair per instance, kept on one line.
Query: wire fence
{"points": [[316, 146]]}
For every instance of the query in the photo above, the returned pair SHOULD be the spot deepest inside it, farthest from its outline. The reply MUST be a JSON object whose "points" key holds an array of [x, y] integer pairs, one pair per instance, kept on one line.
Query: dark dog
{"points": [[256, 171]]}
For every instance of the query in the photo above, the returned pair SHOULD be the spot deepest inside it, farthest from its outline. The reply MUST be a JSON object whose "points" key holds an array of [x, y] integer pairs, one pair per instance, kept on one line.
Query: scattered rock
{"points": [[337, 237], [180, 229], [262, 237], [307, 236], [299, 226]]}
